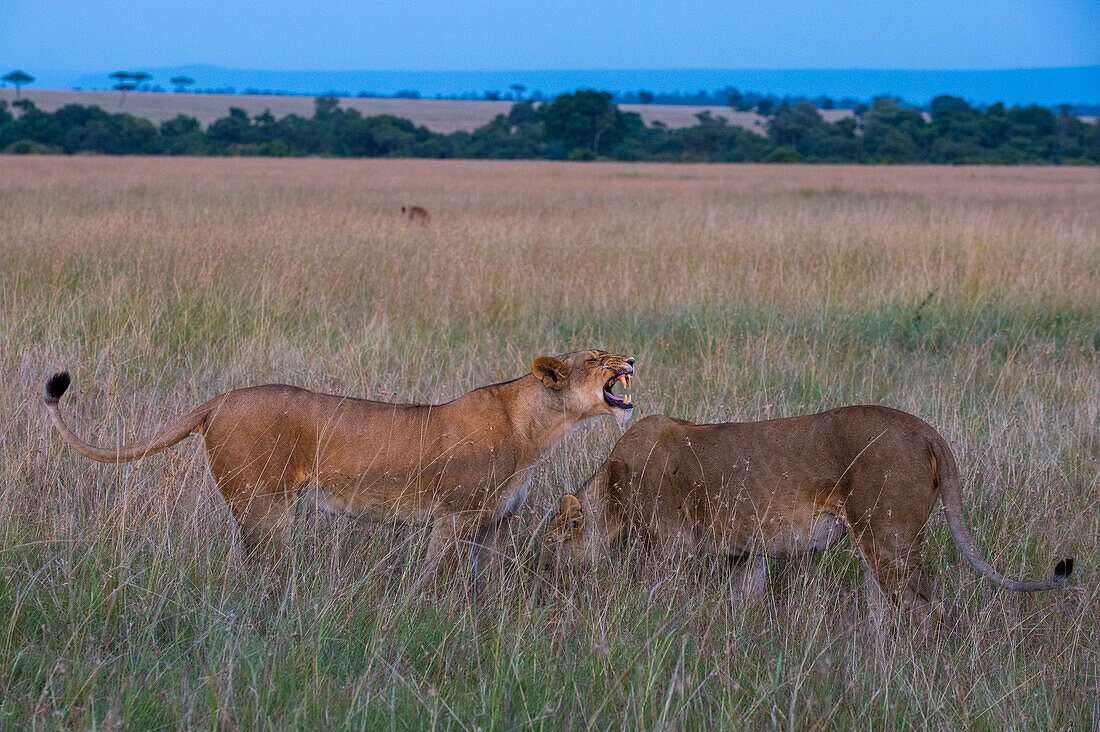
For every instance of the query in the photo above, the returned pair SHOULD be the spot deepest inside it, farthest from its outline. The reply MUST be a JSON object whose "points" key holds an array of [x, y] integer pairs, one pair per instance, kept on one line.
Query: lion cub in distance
{"points": [[463, 467], [781, 488]]}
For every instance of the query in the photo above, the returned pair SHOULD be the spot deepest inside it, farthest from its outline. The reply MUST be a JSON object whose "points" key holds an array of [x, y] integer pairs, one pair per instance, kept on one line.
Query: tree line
{"points": [[585, 125]]}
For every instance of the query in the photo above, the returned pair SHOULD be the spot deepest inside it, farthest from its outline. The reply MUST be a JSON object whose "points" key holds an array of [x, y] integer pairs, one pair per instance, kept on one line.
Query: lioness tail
{"points": [[947, 478], [166, 437]]}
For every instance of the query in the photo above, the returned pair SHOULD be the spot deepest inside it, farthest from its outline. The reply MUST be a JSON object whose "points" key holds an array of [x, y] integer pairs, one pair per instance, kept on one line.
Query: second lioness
{"points": [[416, 214], [782, 488], [463, 466]]}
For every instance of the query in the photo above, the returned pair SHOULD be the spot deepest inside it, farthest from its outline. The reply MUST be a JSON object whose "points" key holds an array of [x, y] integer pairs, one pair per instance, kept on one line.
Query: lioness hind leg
{"points": [[878, 605], [750, 577], [264, 517], [896, 564]]}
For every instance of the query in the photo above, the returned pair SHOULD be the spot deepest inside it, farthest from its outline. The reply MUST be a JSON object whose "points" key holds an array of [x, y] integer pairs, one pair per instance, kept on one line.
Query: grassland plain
{"points": [[968, 296]]}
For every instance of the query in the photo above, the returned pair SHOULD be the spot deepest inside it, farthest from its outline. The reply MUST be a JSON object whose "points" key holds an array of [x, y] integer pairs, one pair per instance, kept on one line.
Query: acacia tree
{"points": [[181, 82], [517, 91], [127, 81], [18, 79]]}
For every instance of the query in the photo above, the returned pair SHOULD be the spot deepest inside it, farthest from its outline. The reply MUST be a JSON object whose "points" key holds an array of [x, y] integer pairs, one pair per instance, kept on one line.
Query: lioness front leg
{"points": [[488, 548], [451, 537]]}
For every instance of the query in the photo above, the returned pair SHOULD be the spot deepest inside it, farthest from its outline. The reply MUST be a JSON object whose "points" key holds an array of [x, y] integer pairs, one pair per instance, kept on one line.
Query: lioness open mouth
{"points": [[619, 401]]}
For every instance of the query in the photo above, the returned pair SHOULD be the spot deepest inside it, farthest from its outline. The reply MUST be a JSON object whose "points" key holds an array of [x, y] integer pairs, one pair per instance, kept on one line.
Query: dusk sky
{"points": [[93, 35]]}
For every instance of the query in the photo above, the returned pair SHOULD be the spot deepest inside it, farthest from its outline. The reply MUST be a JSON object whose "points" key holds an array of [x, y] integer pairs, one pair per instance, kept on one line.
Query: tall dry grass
{"points": [[968, 296]]}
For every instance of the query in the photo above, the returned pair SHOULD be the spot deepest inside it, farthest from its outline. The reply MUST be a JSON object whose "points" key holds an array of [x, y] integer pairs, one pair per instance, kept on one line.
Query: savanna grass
{"points": [[970, 297]]}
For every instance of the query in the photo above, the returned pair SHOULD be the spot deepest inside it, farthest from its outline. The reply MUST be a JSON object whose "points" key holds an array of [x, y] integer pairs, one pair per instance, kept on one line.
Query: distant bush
{"points": [[29, 147], [783, 154]]}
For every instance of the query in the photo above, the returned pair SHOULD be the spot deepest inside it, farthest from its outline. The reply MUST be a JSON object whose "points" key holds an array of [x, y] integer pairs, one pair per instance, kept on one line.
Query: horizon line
{"points": [[580, 68]]}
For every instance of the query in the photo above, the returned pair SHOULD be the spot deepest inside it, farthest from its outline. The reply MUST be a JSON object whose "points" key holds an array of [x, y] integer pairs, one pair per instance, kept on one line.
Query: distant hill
{"points": [[1046, 86]]}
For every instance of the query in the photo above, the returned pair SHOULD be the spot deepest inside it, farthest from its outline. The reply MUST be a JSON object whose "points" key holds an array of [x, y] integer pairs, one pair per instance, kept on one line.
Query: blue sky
{"points": [[94, 35]]}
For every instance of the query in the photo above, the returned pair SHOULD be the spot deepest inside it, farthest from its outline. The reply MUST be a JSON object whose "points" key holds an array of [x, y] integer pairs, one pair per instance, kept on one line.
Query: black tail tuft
{"points": [[55, 387], [1064, 568]]}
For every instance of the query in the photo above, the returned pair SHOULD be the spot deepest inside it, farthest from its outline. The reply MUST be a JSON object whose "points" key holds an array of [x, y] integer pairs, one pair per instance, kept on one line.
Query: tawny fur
{"points": [[462, 466], [780, 488]]}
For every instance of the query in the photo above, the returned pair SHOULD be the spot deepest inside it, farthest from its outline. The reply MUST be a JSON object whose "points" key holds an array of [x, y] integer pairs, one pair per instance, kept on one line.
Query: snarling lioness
{"points": [[463, 466], [781, 488]]}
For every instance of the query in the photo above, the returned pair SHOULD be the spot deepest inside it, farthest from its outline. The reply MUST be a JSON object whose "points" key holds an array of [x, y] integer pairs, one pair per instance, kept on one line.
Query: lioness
{"points": [[416, 214], [463, 466], [781, 488]]}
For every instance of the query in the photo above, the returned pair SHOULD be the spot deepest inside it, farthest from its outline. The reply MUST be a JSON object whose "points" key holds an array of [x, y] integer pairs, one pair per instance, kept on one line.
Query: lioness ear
{"points": [[551, 371]]}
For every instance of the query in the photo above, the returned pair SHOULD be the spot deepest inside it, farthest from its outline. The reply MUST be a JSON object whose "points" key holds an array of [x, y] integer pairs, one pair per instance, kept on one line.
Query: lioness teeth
{"points": [[624, 399]]}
